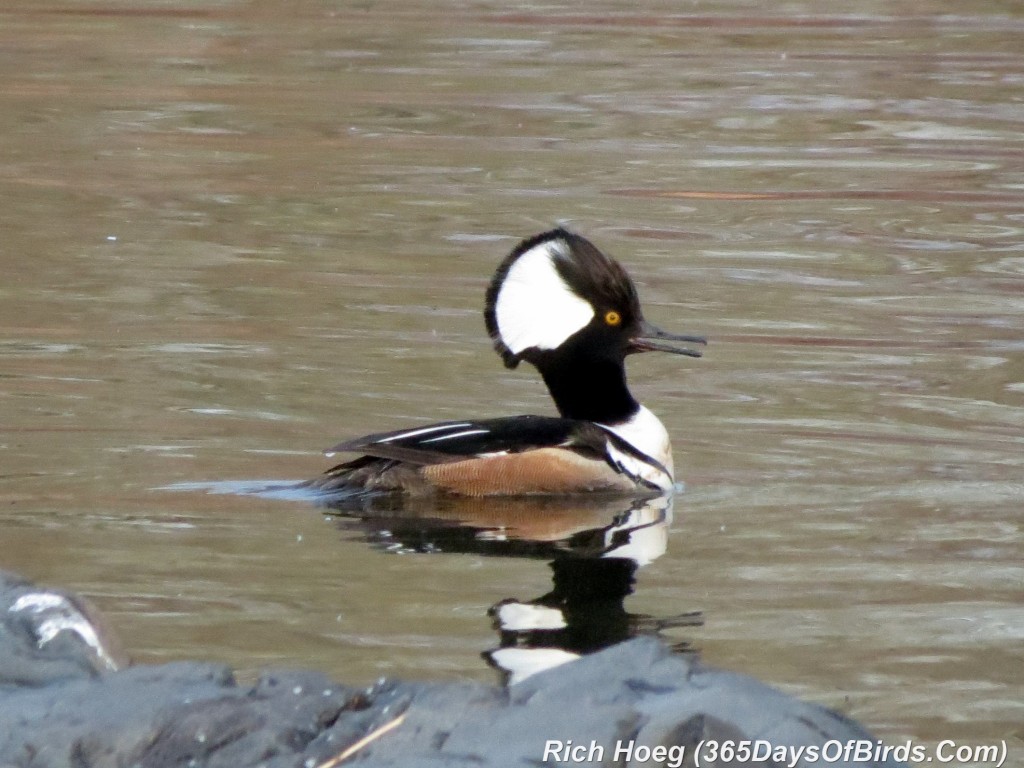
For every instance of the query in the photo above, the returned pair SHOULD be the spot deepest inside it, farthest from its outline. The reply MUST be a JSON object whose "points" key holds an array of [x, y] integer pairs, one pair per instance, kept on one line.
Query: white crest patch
{"points": [[645, 432], [535, 308]]}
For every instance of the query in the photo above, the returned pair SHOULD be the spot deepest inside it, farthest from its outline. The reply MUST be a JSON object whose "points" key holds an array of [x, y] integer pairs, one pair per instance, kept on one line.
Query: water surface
{"points": [[236, 233]]}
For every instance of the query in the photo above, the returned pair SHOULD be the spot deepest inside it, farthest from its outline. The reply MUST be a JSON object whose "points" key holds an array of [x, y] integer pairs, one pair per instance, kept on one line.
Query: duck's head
{"points": [[557, 296]]}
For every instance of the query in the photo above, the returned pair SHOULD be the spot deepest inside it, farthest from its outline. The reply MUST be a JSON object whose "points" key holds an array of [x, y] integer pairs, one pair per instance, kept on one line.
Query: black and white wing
{"points": [[509, 456], [451, 441]]}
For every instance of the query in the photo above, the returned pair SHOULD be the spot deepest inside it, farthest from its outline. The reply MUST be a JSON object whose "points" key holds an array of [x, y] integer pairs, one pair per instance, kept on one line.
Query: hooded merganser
{"points": [[562, 305]]}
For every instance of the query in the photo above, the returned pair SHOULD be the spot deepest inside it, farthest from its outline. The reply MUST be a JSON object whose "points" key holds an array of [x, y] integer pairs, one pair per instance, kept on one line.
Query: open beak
{"points": [[651, 339]]}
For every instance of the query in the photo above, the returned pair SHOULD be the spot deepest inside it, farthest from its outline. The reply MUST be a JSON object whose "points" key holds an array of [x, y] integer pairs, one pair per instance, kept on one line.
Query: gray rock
{"points": [[616, 703], [47, 635], [62, 708]]}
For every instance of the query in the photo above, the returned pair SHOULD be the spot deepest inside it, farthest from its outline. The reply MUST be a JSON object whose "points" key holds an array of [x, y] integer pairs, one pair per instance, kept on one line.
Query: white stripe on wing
{"points": [[423, 431], [457, 434]]}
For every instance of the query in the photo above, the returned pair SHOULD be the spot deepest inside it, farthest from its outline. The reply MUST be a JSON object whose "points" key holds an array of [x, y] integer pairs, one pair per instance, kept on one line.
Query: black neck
{"points": [[588, 389]]}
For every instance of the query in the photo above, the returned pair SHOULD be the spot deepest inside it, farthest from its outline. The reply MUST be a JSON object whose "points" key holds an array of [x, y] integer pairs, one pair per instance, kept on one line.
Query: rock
{"points": [[47, 635], [618, 706], [635, 695]]}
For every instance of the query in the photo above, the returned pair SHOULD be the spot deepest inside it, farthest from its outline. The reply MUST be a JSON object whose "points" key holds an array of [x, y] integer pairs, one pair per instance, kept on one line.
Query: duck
{"points": [[560, 304]]}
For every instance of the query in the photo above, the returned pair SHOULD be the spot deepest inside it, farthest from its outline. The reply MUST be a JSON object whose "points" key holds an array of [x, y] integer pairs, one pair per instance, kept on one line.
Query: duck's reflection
{"points": [[595, 547]]}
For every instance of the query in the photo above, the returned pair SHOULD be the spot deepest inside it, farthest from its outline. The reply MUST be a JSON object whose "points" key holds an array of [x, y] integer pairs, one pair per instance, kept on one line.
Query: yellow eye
{"points": [[611, 317]]}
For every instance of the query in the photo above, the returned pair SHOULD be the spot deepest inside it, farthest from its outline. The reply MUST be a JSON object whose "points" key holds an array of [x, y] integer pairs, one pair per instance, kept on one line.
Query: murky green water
{"points": [[234, 234]]}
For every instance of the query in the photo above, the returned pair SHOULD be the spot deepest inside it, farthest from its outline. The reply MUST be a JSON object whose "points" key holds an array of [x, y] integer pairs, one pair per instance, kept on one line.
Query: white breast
{"points": [[645, 432]]}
